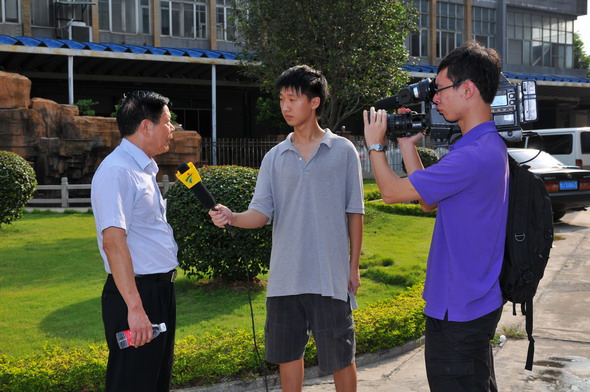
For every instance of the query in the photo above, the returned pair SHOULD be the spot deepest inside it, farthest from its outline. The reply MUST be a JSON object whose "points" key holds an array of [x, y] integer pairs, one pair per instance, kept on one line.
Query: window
{"points": [[9, 11], [585, 142], [544, 41], [484, 25], [226, 30], [42, 14], [418, 41], [450, 26], [558, 144], [184, 18], [125, 16]]}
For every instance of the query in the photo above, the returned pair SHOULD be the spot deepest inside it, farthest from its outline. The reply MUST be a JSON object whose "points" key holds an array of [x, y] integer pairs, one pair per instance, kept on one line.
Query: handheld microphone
{"points": [[189, 176]]}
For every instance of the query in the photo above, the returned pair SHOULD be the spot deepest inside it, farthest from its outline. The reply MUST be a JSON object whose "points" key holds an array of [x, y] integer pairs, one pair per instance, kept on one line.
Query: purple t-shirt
{"points": [[470, 185]]}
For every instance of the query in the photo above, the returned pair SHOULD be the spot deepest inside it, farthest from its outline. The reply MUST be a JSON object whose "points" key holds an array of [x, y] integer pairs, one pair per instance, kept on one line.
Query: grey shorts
{"points": [[291, 319]]}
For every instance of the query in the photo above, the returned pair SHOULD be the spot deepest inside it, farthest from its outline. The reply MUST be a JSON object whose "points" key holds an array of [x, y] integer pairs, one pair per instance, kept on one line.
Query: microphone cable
{"points": [[250, 283]]}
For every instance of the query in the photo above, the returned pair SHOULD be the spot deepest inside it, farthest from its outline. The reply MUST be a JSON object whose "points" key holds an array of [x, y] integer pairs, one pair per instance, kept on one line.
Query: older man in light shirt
{"points": [[137, 246]]}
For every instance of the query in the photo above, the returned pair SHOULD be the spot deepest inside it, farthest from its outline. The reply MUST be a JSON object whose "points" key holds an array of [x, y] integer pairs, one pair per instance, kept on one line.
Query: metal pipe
{"points": [[71, 80], [213, 114]]}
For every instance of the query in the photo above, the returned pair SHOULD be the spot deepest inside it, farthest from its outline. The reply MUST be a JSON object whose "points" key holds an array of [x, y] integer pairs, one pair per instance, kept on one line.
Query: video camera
{"points": [[513, 105]]}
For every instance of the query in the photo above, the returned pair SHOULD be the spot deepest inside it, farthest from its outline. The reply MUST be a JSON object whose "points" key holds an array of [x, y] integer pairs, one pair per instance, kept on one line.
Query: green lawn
{"points": [[51, 277]]}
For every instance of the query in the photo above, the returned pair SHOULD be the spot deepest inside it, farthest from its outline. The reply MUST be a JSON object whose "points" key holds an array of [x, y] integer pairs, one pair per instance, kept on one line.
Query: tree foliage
{"points": [[17, 185], [358, 45], [581, 59]]}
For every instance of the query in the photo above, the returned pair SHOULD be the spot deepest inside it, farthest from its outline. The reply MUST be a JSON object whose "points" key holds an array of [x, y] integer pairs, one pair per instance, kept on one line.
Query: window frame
{"points": [[138, 25], [199, 11], [546, 40], [3, 5]]}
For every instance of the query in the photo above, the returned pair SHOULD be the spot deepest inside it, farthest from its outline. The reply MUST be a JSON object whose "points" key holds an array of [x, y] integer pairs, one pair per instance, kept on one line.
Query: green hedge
{"points": [[400, 209], [211, 358]]}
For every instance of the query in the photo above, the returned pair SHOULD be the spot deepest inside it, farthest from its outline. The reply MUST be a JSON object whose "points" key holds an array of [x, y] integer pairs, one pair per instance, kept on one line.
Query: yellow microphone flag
{"points": [[190, 177]]}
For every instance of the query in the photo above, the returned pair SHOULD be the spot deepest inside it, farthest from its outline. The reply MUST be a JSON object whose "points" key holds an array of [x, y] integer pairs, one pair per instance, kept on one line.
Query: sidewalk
{"points": [[561, 331]]}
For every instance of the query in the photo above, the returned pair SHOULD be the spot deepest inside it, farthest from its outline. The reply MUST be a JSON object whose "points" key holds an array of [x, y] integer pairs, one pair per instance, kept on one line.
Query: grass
{"points": [[51, 277]]}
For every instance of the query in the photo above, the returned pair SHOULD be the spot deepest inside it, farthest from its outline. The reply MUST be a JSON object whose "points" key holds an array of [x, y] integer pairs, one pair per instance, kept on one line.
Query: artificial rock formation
{"points": [[60, 143]]}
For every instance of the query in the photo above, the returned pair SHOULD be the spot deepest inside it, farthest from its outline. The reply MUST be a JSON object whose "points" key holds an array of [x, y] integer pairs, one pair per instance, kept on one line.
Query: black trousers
{"points": [[459, 354], [149, 367]]}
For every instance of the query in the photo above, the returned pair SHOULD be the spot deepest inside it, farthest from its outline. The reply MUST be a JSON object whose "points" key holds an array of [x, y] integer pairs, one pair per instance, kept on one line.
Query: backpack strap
{"points": [[528, 312]]}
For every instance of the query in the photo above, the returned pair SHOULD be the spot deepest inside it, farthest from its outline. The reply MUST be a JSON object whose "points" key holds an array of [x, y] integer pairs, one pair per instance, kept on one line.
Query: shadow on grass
{"points": [[83, 320]]}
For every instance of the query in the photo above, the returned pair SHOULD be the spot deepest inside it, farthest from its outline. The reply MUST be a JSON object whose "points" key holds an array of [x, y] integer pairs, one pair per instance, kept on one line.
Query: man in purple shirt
{"points": [[469, 186]]}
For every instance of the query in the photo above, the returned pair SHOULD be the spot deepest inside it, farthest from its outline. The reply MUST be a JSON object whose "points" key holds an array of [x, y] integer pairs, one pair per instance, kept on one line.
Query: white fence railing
{"points": [[65, 201]]}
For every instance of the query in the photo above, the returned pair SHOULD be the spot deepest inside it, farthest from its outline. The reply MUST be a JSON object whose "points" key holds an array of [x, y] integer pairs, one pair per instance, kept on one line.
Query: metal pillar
{"points": [[213, 114]]}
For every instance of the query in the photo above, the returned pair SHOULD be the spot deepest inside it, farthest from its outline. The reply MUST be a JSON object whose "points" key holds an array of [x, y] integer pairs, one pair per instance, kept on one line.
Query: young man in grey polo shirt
{"points": [[310, 185], [470, 188]]}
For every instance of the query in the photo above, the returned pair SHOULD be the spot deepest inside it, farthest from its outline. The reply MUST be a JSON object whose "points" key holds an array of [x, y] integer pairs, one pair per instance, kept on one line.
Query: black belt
{"points": [[165, 276]]}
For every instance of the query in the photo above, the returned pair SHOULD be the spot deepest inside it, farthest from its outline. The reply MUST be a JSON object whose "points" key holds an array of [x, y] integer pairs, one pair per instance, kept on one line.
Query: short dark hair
{"points": [[305, 80], [137, 106], [473, 61]]}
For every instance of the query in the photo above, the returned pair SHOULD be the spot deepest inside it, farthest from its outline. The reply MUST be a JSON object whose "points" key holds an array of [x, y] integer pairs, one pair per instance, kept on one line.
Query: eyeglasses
{"points": [[438, 90]]}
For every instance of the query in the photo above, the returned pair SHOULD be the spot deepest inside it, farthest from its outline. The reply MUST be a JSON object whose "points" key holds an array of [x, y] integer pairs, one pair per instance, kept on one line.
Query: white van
{"points": [[570, 145]]}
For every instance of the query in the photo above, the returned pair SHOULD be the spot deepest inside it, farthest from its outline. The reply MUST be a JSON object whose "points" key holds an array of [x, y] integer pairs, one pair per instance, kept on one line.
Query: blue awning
{"points": [[118, 48], [431, 69]]}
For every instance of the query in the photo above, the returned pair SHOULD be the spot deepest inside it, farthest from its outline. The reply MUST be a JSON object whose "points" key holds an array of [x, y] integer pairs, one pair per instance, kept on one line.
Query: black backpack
{"points": [[529, 237]]}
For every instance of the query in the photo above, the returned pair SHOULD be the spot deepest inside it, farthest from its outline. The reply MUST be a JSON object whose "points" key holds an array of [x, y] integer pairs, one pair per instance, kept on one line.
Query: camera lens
{"points": [[407, 124]]}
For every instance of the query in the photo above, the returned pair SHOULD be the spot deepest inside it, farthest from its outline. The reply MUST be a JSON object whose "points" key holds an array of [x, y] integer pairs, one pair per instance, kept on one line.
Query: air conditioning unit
{"points": [[77, 31]]}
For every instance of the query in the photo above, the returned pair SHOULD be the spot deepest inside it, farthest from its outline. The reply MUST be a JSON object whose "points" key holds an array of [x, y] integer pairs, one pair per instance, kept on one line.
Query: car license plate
{"points": [[568, 185]]}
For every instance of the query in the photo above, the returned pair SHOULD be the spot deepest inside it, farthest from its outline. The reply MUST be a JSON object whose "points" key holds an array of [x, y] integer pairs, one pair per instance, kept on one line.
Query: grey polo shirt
{"points": [[308, 203]]}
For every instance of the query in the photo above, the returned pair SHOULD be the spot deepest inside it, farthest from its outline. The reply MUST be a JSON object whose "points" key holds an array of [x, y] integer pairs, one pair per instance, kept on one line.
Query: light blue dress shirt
{"points": [[125, 194]]}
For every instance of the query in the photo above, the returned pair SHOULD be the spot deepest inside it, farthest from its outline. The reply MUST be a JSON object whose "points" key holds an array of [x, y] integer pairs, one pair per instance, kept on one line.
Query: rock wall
{"points": [[58, 142]]}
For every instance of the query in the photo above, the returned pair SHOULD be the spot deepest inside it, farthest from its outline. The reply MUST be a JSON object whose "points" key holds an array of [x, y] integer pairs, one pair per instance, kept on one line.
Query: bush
{"points": [[206, 251], [85, 107], [390, 323], [401, 209], [56, 370], [211, 358], [427, 155], [17, 185]]}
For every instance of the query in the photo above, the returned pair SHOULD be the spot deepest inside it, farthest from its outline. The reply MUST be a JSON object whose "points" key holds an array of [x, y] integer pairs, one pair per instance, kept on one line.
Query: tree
{"points": [[581, 59], [358, 45]]}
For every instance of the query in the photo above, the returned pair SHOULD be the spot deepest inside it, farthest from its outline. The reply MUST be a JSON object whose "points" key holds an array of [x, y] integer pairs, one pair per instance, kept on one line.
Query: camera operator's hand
{"points": [[409, 140], [375, 126]]}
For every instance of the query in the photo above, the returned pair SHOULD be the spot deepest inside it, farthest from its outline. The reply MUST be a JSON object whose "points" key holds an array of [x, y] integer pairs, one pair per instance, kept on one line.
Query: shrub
{"points": [[390, 323], [85, 107], [56, 370], [206, 251], [400, 209], [17, 185], [373, 195], [427, 155]]}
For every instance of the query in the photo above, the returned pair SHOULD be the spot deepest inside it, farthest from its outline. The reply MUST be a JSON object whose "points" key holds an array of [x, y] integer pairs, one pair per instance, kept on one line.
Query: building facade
{"points": [[129, 45], [534, 37], [185, 49]]}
